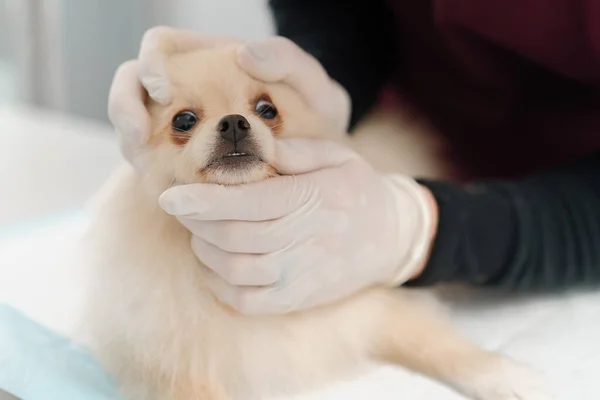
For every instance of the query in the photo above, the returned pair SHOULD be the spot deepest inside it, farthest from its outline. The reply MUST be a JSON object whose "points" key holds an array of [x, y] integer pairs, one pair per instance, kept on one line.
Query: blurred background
{"points": [[57, 60]]}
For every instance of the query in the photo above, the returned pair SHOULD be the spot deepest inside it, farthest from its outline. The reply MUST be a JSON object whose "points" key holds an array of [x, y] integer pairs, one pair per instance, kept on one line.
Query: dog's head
{"points": [[212, 122]]}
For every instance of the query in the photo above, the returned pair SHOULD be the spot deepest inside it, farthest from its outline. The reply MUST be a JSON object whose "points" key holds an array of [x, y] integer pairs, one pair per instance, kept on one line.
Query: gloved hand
{"points": [[328, 228], [274, 59]]}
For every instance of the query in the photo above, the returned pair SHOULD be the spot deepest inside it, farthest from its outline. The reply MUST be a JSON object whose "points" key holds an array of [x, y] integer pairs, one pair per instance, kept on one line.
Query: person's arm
{"points": [[537, 233], [353, 40]]}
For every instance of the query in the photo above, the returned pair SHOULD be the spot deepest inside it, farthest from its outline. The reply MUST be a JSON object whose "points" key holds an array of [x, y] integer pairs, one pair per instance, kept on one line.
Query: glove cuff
{"points": [[407, 191]]}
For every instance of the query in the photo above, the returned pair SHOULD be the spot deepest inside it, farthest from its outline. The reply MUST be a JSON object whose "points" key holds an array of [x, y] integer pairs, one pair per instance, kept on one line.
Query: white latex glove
{"points": [[329, 228]]}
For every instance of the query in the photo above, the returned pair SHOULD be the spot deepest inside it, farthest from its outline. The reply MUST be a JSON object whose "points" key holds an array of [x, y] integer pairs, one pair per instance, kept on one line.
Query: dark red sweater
{"points": [[514, 86]]}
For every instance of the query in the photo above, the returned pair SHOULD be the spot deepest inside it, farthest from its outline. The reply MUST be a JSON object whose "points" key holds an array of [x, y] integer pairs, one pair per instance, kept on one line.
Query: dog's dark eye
{"points": [[184, 121], [266, 109]]}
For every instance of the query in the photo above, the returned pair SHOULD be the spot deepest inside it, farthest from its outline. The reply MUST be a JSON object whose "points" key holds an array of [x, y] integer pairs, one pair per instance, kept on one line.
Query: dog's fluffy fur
{"points": [[155, 326]]}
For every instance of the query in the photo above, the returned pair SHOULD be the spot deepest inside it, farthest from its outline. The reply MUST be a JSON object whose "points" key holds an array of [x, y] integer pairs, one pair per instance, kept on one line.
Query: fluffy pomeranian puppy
{"points": [[154, 325]]}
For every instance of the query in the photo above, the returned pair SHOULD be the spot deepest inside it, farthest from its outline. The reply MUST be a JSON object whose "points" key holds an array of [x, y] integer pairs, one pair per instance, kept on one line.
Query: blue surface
{"points": [[38, 364]]}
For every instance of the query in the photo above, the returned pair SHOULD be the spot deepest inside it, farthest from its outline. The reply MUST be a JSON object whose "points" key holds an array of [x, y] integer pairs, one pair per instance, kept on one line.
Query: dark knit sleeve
{"points": [[352, 39], [541, 232]]}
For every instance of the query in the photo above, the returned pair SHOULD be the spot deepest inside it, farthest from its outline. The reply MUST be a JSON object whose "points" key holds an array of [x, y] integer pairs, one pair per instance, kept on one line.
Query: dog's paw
{"points": [[508, 380]]}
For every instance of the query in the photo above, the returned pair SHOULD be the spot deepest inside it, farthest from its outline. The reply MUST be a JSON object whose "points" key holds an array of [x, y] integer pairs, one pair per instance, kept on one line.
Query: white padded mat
{"points": [[559, 335]]}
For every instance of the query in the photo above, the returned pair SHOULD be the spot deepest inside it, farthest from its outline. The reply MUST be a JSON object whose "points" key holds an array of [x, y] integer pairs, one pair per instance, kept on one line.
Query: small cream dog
{"points": [[150, 318]]}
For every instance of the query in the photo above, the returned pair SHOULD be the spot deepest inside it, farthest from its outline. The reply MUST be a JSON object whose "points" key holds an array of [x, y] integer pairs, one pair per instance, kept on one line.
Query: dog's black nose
{"points": [[234, 128]]}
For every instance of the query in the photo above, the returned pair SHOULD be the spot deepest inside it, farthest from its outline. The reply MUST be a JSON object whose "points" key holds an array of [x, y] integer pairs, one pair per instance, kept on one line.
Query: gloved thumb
{"points": [[300, 156]]}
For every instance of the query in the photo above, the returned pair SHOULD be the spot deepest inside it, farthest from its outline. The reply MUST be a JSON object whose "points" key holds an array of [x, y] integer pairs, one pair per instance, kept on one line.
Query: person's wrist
{"points": [[433, 206], [416, 211]]}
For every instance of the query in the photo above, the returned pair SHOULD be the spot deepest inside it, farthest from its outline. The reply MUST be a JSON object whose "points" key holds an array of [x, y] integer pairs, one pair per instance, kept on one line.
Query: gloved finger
{"points": [[320, 282], [300, 276], [126, 109], [300, 156], [260, 237], [237, 269], [252, 301], [246, 300], [258, 201], [267, 300], [278, 59]]}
